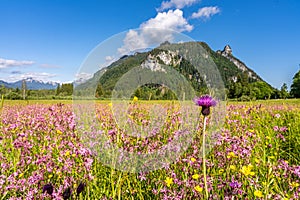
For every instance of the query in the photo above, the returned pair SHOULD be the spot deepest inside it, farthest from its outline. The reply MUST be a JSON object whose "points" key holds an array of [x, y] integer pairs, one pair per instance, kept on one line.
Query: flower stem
{"points": [[2, 102], [203, 157]]}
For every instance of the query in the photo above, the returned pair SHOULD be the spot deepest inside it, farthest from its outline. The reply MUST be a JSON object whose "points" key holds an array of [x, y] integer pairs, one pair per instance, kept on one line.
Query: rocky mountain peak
{"points": [[227, 53], [153, 62], [227, 50]]}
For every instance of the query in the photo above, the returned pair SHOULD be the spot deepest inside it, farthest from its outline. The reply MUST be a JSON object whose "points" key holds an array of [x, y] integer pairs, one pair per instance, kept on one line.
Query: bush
{"points": [[244, 98], [13, 96]]}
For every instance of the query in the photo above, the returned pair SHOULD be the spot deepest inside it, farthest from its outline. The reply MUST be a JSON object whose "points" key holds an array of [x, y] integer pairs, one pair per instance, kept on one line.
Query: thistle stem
{"points": [[203, 157]]}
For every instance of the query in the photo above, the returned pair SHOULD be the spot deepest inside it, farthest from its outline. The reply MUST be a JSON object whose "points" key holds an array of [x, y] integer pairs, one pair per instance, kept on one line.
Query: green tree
{"points": [[17, 90], [13, 95], [2, 90], [66, 89], [284, 91], [138, 93], [99, 91], [57, 90], [263, 90], [238, 89], [295, 87]]}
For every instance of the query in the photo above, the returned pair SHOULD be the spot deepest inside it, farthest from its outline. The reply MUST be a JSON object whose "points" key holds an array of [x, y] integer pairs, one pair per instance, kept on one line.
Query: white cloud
{"points": [[42, 76], [176, 4], [5, 63], [169, 20], [109, 58], [155, 31], [206, 12], [82, 77]]}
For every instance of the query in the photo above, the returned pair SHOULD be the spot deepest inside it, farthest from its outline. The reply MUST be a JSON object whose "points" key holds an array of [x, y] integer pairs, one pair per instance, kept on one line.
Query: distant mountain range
{"points": [[31, 84]]}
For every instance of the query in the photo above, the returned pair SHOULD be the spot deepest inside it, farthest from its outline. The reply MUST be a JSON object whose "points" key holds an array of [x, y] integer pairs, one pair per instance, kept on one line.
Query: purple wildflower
{"points": [[205, 102], [234, 184], [48, 188], [80, 188], [67, 193]]}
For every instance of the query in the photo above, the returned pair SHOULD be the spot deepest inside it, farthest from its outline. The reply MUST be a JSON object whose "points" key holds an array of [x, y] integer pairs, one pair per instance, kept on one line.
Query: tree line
{"points": [[240, 89], [63, 91]]}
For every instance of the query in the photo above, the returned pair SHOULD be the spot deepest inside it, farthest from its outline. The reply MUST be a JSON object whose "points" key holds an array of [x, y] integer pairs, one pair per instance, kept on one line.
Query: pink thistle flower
{"points": [[205, 102]]}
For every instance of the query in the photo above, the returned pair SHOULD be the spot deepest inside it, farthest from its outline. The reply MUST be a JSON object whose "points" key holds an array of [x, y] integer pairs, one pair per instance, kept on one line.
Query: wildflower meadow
{"points": [[45, 152]]}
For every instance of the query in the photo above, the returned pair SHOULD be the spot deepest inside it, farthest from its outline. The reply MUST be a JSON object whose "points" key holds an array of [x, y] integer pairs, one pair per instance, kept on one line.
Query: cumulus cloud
{"points": [[206, 12], [43, 76], [156, 30], [176, 4], [5, 63], [173, 19]]}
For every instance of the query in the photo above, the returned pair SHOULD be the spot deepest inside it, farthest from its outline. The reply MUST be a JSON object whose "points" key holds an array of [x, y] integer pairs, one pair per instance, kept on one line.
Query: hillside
{"points": [[199, 66]]}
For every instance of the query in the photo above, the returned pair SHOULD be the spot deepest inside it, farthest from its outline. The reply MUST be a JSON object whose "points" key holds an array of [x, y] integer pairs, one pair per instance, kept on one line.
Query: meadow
{"points": [[45, 155]]}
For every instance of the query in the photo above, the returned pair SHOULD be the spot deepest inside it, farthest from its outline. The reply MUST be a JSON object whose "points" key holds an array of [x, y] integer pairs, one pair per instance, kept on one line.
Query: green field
{"points": [[47, 152]]}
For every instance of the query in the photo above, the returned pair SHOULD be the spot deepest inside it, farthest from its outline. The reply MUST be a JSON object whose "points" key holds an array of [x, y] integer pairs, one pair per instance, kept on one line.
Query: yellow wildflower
{"points": [[198, 188], [232, 167], [130, 116], [21, 175], [231, 155], [258, 194], [195, 176], [246, 170], [110, 104], [221, 171], [50, 176], [193, 159], [67, 153], [169, 181], [294, 184], [58, 132], [135, 98]]}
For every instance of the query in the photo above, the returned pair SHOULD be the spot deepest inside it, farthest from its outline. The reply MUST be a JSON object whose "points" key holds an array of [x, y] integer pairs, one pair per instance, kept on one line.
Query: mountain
{"points": [[227, 53], [5, 84], [31, 84], [182, 57]]}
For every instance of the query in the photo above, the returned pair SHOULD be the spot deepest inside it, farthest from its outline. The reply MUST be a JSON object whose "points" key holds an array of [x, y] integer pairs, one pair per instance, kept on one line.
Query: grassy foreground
{"points": [[43, 154]]}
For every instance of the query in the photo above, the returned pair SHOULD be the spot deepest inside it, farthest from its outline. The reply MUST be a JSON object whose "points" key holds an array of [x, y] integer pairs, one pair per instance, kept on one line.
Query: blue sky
{"points": [[50, 39]]}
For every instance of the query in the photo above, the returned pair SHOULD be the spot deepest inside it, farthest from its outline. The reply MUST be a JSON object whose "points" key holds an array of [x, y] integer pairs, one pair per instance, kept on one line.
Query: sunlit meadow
{"points": [[255, 156]]}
